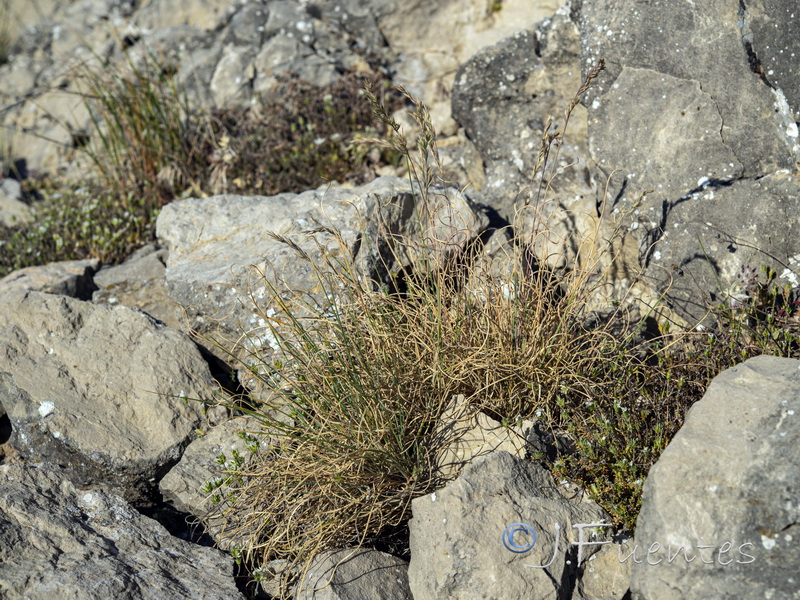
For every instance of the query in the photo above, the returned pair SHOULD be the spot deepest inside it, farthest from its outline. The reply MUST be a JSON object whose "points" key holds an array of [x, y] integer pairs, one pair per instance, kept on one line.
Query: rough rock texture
{"points": [[457, 534], [503, 97], [432, 40], [140, 283], [466, 434], [66, 278], [201, 464], [63, 542], [710, 234], [726, 489], [13, 210], [87, 387], [219, 246], [353, 574], [231, 53], [606, 575], [697, 104]]}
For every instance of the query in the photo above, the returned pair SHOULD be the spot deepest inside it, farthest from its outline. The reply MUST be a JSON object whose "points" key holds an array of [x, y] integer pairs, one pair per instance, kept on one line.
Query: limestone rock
{"points": [[96, 389], [458, 534], [724, 494], [220, 246], [503, 97], [67, 542], [606, 574], [140, 283], [13, 211], [697, 245], [205, 460], [697, 104], [356, 573], [66, 278], [169, 13], [467, 434]]}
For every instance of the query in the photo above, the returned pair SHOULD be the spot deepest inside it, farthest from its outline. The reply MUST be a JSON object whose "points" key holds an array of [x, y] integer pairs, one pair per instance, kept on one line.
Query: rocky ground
{"points": [[109, 407]]}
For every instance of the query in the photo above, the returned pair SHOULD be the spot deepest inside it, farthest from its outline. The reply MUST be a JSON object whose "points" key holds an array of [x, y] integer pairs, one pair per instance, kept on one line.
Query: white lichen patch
{"points": [[787, 120], [47, 407]]}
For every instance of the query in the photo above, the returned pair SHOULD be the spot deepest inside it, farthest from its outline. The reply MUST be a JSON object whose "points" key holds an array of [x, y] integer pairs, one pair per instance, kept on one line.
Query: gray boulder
{"points": [[206, 460], [221, 248], [355, 574], [60, 541], [66, 278], [697, 105], [97, 389], [140, 283], [503, 97], [13, 211], [724, 494], [463, 543]]}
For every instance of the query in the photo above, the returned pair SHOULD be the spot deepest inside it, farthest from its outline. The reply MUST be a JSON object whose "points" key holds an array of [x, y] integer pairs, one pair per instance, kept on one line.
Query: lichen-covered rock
{"points": [[697, 105], [503, 97], [221, 248]]}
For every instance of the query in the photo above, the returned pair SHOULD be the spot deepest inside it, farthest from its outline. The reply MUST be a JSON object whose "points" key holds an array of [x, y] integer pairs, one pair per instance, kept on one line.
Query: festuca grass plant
{"points": [[140, 142], [366, 368]]}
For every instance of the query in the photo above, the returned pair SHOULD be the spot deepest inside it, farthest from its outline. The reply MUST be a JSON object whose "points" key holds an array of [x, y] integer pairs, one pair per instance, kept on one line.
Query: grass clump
{"points": [[365, 370], [147, 146], [362, 379]]}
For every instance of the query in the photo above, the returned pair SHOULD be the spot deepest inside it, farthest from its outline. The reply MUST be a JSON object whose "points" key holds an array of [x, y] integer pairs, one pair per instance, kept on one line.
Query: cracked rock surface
{"points": [[60, 541], [692, 109]]}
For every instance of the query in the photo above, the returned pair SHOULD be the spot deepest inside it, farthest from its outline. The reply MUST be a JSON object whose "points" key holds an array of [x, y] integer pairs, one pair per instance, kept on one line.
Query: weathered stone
{"points": [[140, 283], [466, 434], [503, 97], [220, 246], [704, 43], [67, 278], [203, 14], [97, 389], [685, 108], [59, 541], [204, 461], [696, 246], [605, 575], [13, 211], [723, 497], [458, 534], [432, 39], [356, 573], [232, 79], [771, 30]]}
